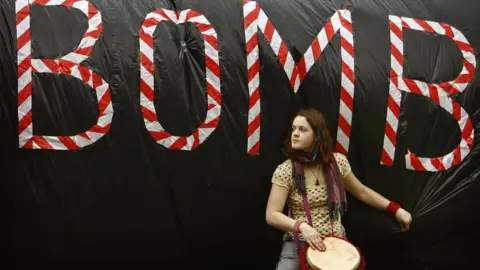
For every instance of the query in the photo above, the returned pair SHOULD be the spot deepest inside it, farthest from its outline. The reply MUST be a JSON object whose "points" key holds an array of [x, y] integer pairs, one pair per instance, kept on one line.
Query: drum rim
{"points": [[339, 238]]}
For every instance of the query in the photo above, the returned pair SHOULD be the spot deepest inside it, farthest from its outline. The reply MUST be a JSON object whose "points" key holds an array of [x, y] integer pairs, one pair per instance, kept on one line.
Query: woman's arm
{"points": [[275, 205], [364, 193], [275, 218], [373, 199]]}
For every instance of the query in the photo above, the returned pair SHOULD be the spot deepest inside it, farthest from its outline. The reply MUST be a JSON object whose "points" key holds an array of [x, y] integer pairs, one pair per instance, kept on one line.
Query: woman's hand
{"points": [[312, 237], [404, 218]]}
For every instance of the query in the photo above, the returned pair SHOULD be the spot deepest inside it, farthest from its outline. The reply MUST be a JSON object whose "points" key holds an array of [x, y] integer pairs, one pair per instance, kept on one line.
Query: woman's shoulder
{"points": [[285, 165], [343, 163], [283, 174], [339, 156]]}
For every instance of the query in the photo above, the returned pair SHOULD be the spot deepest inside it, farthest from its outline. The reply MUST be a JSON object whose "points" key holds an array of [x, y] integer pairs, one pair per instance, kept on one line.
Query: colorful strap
{"points": [[309, 217], [300, 249]]}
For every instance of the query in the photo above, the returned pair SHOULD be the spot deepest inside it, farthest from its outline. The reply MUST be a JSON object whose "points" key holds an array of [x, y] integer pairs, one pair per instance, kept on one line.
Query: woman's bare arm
{"points": [[275, 205]]}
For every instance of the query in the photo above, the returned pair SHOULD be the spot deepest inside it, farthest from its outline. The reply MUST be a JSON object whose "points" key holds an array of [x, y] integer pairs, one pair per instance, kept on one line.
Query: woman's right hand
{"points": [[312, 237]]}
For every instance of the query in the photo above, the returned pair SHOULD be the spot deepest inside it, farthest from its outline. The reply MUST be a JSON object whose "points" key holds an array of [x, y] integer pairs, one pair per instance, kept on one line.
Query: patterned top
{"points": [[317, 198]]}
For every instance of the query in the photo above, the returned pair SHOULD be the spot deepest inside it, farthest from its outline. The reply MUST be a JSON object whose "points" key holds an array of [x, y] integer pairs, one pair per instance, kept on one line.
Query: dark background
{"points": [[126, 202]]}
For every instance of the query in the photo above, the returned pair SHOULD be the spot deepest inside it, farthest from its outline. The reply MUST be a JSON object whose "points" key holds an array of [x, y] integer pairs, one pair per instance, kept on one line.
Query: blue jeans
{"points": [[288, 259]]}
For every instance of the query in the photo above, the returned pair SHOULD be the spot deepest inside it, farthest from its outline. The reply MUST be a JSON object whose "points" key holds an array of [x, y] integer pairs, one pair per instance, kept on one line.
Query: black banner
{"points": [[144, 134]]}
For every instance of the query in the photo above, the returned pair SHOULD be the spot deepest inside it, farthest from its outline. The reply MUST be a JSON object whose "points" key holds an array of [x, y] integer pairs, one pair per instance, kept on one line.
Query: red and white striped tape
{"points": [[147, 71], [439, 93], [255, 18], [251, 11], [67, 65], [348, 83]]}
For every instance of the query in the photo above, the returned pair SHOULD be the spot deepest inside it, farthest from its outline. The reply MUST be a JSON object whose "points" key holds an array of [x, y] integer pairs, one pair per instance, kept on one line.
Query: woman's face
{"points": [[302, 134]]}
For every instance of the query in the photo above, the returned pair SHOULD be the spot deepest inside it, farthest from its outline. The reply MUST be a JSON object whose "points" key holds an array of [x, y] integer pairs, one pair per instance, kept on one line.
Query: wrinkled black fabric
{"points": [[126, 202]]}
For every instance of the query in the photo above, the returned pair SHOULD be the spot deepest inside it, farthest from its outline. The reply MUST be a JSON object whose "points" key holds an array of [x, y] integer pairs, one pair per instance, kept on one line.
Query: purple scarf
{"points": [[336, 197]]}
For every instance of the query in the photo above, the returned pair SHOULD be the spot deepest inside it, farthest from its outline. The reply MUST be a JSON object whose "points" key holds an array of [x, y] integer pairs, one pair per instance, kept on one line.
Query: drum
{"points": [[339, 255]]}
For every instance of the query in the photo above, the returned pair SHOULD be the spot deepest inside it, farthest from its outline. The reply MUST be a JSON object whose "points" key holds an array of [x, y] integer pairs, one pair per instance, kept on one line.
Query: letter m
{"points": [[255, 21]]}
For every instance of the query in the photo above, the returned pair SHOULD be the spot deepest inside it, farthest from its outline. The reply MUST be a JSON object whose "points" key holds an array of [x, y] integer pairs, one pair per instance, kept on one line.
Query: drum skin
{"points": [[339, 255]]}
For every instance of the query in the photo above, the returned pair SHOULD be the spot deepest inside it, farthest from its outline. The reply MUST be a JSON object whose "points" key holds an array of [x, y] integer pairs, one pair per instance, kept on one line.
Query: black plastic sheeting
{"points": [[127, 202]]}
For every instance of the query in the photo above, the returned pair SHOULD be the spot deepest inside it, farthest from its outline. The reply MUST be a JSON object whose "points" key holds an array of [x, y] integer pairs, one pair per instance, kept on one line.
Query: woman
{"points": [[314, 173]]}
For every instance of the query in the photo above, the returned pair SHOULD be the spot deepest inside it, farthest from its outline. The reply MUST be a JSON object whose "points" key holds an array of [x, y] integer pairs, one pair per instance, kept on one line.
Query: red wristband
{"points": [[392, 208], [296, 227]]}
